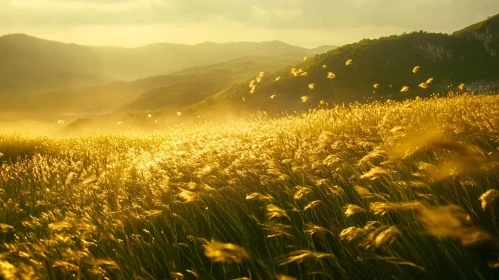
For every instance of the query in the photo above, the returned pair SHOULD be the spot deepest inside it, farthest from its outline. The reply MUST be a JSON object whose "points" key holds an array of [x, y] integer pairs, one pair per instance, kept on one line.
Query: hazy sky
{"points": [[301, 22]]}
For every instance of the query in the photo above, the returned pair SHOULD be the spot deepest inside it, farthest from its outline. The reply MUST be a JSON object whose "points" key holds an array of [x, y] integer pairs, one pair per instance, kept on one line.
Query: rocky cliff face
{"points": [[486, 32], [489, 38], [436, 53]]}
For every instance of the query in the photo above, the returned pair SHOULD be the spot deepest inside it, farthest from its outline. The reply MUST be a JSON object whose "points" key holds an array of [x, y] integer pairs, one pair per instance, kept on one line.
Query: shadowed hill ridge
{"points": [[31, 65]]}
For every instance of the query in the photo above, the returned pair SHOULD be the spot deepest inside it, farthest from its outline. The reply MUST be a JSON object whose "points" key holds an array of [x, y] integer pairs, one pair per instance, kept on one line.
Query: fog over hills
{"points": [[30, 64]]}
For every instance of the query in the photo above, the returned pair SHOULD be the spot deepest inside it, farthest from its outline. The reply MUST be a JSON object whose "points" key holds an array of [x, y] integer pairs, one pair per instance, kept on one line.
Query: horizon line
{"points": [[160, 42]]}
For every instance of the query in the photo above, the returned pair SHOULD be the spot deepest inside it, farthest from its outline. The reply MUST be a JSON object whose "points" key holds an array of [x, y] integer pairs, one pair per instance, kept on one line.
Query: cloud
{"points": [[280, 14], [274, 16], [94, 1]]}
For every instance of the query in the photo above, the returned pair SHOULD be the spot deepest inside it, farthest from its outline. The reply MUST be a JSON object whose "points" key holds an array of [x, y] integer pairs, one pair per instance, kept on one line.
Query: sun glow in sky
{"points": [[307, 23]]}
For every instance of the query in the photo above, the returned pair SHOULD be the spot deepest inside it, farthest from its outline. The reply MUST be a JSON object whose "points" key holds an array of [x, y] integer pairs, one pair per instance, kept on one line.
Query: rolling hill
{"points": [[179, 89], [33, 65], [201, 82], [464, 57]]}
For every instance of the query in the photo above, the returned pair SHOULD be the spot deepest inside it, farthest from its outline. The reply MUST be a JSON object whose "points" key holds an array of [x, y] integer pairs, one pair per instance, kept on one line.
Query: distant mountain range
{"points": [[33, 65], [176, 90]]}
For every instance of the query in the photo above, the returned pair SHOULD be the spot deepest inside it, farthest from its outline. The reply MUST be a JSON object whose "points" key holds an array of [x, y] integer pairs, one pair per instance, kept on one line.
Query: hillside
{"points": [[388, 61], [203, 82], [486, 31], [31, 64], [176, 90]]}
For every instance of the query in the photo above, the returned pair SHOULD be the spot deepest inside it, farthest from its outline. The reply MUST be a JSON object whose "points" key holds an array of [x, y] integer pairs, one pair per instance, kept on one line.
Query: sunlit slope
{"points": [[204, 82], [377, 68], [176, 90], [379, 191]]}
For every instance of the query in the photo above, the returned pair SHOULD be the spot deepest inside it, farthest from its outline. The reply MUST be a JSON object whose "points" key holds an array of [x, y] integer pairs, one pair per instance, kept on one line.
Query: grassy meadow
{"points": [[392, 190]]}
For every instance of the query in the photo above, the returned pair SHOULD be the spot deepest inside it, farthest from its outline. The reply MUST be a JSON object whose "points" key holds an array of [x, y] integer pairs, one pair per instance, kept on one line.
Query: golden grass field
{"points": [[393, 190]]}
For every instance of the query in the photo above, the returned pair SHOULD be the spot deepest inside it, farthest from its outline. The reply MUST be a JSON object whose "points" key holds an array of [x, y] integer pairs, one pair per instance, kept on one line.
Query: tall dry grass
{"points": [[388, 190]]}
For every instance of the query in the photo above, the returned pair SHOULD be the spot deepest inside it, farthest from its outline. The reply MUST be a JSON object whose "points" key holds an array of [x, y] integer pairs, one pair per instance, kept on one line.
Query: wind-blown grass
{"points": [[377, 191]]}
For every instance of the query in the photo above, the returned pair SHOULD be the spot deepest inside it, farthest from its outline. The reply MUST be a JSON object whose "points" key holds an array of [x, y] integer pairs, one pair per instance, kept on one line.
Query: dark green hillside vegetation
{"points": [[386, 61], [486, 31]]}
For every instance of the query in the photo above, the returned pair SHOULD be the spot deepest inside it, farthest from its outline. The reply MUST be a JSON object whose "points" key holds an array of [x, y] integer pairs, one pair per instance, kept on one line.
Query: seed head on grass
{"points": [[301, 255], [352, 209], [276, 230], [423, 85], [301, 192], [352, 233], [312, 229], [274, 211], [363, 192], [453, 222], [225, 252], [5, 228], [387, 236], [59, 226], [188, 196], [375, 173], [312, 205], [177, 275], [489, 197], [383, 208], [259, 196]]}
